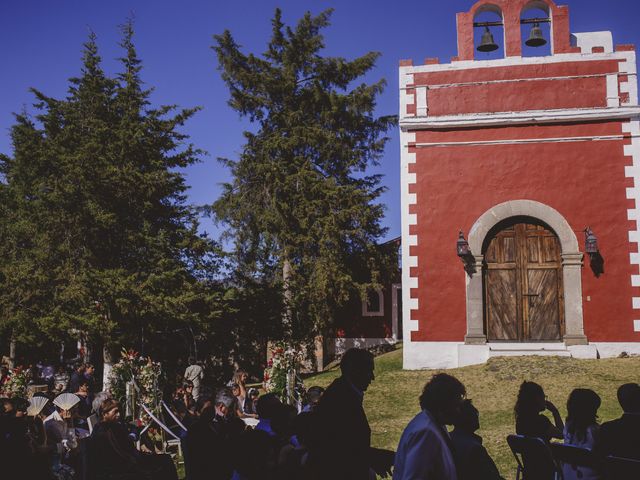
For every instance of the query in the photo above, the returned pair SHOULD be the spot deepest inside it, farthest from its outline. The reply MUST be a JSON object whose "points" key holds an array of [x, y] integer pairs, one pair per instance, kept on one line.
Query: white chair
{"points": [[92, 421]]}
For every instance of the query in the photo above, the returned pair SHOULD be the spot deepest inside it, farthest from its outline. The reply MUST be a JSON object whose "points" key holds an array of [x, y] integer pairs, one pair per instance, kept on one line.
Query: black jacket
{"points": [[209, 447], [472, 459], [342, 448], [620, 437]]}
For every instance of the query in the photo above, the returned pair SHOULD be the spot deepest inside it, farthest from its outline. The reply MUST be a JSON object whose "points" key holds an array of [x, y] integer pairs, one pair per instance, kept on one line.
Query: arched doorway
{"points": [[523, 288], [571, 268]]}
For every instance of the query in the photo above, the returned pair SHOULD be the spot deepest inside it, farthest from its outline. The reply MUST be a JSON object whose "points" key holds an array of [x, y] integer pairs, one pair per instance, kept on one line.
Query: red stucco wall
{"points": [[584, 181], [583, 85]]}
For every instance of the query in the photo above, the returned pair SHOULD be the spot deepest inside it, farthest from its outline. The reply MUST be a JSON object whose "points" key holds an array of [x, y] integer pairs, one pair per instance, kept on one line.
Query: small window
{"points": [[373, 306]]}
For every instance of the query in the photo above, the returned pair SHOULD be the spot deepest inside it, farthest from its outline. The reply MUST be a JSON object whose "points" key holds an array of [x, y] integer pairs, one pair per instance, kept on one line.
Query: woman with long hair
{"points": [[240, 381], [529, 419], [581, 429]]}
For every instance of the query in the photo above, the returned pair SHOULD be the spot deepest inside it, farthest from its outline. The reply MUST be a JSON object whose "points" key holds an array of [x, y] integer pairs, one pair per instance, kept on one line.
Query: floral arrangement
{"points": [[285, 362], [16, 384], [145, 372]]}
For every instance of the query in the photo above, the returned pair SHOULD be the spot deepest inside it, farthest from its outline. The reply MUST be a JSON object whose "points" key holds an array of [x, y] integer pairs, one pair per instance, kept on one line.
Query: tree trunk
{"points": [[287, 320], [107, 364], [12, 352]]}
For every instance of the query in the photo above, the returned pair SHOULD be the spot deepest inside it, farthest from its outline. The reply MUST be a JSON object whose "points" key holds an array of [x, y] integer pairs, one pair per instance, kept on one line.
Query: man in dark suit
{"points": [[210, 440], [621, 437], [471, 458], [342, 448], [76, 378]]}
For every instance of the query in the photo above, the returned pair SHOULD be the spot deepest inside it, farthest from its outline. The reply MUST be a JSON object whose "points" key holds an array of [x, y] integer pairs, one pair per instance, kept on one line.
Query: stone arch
{"points": [[527, 208], [488, 7], [571, 267]]}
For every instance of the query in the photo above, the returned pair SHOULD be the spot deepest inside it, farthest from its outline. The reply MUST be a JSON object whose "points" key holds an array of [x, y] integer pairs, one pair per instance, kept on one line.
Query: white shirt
{"points": [[572, 472], [423, 452]]}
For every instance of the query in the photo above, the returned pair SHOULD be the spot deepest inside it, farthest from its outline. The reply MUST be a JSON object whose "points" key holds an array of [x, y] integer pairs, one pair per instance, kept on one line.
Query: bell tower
{"points": [[521, 149]]}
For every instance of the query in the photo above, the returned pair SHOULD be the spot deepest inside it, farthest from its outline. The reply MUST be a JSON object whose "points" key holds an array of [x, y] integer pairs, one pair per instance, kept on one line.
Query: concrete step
{"points": [[527, 346], [521, 349], [529, 351]]}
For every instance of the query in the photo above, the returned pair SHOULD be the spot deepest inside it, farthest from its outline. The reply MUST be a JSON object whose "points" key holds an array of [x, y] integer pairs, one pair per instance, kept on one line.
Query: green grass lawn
{"points": [[392, 399]]}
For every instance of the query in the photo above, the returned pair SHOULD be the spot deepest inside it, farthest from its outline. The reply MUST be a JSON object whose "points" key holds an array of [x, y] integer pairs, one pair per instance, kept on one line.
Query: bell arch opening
{"points": [[536, 37], [489, 40]]}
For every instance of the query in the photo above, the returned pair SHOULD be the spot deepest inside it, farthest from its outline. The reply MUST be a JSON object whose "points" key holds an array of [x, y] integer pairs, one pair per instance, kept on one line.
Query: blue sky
{"points": [[41, 42]]}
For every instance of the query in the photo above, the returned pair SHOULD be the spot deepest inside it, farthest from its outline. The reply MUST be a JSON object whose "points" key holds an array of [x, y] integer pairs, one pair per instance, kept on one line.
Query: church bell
{"points": [[487, 44], [536, 39]]}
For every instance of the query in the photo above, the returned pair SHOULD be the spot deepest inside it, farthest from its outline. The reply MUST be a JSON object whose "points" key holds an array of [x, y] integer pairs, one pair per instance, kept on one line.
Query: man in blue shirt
{"points": [[425, 451]]}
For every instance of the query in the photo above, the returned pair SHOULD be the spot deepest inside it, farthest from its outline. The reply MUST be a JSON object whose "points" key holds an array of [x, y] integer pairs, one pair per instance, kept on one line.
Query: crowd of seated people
{"points": [[47, 437], [79, 434], [615, 438]]}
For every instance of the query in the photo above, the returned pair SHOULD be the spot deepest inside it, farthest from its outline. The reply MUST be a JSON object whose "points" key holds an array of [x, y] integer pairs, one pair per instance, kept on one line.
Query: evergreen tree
{"points": [[107, 243], [301, 208]]}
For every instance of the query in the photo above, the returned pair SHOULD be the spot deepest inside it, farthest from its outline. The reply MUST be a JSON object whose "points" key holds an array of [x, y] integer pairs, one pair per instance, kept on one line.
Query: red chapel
{"points": [[520, 192]]}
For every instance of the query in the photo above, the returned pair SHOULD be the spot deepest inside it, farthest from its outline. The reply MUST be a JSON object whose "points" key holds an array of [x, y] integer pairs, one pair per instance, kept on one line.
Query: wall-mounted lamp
{"points": [[462, 246], [590, 242]]}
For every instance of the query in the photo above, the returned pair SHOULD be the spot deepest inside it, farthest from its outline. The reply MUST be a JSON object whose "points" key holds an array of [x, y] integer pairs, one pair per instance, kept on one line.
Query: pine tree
{"points": [[302, 208], [106, 231]]}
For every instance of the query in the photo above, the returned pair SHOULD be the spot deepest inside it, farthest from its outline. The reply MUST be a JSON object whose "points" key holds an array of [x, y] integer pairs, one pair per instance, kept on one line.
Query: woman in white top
{"points": [[581, 430]]}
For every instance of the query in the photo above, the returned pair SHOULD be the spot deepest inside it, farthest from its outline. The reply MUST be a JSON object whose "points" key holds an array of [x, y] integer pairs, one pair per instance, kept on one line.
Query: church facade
{"points": [[520, 192]]}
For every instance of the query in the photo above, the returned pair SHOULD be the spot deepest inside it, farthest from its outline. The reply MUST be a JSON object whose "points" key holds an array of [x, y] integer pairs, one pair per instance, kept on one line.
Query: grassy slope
{"points": [[392, 399]]}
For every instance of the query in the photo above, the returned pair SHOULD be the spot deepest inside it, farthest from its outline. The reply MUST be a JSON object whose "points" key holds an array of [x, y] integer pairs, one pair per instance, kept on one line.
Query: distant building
{"points": [[374, 320], [522, 154]]}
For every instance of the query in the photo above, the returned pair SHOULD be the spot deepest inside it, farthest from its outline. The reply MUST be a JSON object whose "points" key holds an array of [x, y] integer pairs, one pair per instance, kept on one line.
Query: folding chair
{"points": [[534, 458], [573, 457], [92, 421], [619, 468]]}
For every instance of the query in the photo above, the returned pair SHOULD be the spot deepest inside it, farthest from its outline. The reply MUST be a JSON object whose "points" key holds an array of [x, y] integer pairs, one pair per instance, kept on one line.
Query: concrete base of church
{"points": [[445, 355], [334, 347]]}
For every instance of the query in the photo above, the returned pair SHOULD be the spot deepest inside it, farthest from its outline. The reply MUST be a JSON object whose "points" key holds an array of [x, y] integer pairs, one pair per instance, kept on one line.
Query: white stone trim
{"points": [[524, 117], [424, 355], [613, 96], [517, 61], [445, 355], [408, 219], [373, 313], [421, 101], [587, 40], [614, 349], [628, 67], [614, 75], [406, 99], [521, 141], [337, 346], [633, 193]]}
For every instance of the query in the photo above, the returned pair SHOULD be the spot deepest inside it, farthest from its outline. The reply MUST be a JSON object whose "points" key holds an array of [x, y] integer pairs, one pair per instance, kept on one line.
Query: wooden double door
{"points": [[523, 283]]}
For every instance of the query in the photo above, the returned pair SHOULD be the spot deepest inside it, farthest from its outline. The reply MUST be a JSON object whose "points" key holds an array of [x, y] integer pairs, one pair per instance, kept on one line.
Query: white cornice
{"points": [[519, 118], [517, 61]]}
